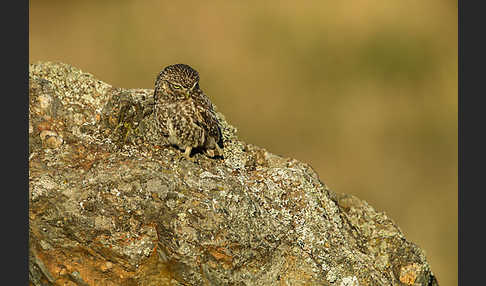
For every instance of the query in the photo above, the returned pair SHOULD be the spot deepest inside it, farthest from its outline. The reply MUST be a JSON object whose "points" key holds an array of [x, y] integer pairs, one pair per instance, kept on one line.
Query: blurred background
{"points": [[365, 91]]}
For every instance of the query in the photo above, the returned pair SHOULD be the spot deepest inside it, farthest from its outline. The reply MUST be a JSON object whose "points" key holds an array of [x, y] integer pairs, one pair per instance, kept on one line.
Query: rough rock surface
{"points": [[110, 204]]}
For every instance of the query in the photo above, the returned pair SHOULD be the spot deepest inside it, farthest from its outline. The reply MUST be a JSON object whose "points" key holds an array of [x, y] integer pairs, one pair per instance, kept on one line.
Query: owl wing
{"points": [[209, 122], [208, 117]]}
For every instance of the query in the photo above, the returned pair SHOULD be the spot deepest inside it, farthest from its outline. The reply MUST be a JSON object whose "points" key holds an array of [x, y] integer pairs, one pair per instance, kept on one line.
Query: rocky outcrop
{"points": [[111, 204]]}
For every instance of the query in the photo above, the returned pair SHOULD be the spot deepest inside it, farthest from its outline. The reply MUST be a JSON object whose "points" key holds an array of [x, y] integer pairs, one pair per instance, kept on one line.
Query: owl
{"points": [[184, 114]]}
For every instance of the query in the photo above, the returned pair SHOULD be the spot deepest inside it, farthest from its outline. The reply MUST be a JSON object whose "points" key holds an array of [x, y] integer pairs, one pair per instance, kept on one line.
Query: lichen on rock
{"points": [[112, 204]]}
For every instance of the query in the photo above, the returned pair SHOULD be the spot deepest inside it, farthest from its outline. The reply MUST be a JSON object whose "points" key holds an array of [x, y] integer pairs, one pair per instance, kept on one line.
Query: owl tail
{"points": [[212, 148], [213, 152]]}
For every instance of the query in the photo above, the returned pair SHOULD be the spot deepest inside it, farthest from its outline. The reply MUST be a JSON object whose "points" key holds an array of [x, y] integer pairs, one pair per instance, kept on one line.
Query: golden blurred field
{"points": [[363, 91]]}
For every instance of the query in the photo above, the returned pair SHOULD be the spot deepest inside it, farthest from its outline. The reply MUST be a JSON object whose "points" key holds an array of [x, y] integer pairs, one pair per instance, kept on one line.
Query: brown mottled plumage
{"points": [[184, 113]]}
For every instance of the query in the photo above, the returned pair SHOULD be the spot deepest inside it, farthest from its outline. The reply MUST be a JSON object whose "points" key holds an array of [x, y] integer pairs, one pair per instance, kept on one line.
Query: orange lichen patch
{"points": [[64, 281], [155, 196], [196, 203], [93, 270], [106, 266], [85, 156], [155, 272], [112, 120], [81, 264], [409, 273], [293, 274], [49, 124], [44, 125], [220, 255], [212, 264]]}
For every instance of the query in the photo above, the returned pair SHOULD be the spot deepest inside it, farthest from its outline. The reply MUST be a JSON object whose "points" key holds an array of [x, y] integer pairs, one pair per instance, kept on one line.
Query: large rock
{"points": [[110, 204]]}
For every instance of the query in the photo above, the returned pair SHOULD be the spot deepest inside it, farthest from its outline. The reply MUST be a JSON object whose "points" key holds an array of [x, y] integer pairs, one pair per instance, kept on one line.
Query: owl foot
{"points": [[210, 153], [187, 153], [214, 152]]}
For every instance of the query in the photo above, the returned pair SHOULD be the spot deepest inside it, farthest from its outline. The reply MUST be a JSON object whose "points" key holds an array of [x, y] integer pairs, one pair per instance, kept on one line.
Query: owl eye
{"points": [[176, 86]]}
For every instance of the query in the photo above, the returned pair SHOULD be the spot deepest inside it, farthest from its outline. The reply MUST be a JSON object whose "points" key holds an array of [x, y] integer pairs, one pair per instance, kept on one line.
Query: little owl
{"points": [[184, 113]]}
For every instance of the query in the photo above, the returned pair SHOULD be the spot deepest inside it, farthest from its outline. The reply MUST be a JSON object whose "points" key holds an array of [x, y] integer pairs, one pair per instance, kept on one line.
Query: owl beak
{"points": [[188, 94]]}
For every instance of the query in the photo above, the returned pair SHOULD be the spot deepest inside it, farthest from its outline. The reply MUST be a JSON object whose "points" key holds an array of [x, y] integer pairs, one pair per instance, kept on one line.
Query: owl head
{"points": [[176, 82]]}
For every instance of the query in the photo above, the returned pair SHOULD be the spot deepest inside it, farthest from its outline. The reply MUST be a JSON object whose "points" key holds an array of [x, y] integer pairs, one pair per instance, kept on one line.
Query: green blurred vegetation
{"points": [[364, 91]]}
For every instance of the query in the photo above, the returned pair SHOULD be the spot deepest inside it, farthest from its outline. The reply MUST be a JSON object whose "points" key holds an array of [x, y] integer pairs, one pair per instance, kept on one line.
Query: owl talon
{"points": [[210, 153], [187, 152]]}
